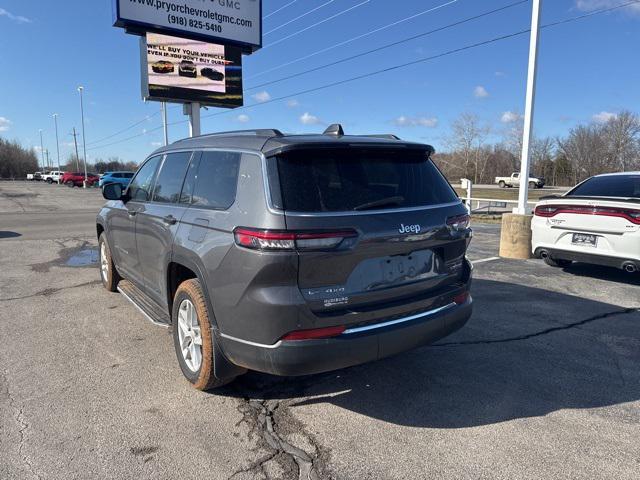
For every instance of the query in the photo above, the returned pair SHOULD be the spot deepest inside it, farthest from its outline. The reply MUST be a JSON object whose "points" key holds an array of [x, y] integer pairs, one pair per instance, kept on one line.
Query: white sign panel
{"points": [[234, 22]]}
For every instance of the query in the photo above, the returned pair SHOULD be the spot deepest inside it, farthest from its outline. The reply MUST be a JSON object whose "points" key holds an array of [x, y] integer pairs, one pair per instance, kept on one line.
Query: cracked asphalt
{"points": [[542, 383]]}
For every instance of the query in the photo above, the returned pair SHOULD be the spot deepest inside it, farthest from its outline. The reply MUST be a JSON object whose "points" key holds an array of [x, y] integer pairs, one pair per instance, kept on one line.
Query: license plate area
{"points": [[584, 239], [404, 267]]}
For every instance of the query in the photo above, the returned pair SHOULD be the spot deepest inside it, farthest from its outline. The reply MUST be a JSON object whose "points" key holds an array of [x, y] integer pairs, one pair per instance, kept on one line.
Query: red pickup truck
{"points": [[75, 179]]}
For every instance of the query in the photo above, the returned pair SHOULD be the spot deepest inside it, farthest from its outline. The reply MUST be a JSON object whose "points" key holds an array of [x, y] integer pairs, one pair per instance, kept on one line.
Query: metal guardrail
{"points": [[491, 204]]}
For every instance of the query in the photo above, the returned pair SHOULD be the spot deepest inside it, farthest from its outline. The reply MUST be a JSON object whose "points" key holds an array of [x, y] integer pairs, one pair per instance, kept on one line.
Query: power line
{"points": [[396, 67], [298, 17], [145, 119], [294, 34], [280, 9], [389, 45], [353, 39]]}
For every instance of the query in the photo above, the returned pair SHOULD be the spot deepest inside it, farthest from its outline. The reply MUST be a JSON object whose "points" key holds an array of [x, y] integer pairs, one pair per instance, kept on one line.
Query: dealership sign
{"points": [[229, 22], [183, 70]]}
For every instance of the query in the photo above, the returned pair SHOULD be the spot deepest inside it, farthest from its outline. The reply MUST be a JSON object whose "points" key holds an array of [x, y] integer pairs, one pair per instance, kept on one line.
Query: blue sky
{"points": [[587, 70]]}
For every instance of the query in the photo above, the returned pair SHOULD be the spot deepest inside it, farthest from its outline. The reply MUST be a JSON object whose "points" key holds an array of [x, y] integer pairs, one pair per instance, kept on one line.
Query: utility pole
{"points": [[42, 149], [47, 155], [75, 140], [84, 138], [55, 120], [193, 111], [525, 164]]}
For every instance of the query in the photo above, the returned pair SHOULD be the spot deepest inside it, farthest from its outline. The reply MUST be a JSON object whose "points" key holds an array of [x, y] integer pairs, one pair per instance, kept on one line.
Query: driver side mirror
{"points": [[113, 191]]}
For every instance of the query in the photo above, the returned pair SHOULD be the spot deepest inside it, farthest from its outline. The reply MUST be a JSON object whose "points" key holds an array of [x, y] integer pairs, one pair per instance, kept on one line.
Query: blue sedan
{"points": [[123, 178]]}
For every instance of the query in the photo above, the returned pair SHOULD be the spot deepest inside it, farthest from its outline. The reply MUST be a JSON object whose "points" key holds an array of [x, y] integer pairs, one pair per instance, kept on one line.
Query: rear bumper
{"points": [[291, 358], [591, 258]]}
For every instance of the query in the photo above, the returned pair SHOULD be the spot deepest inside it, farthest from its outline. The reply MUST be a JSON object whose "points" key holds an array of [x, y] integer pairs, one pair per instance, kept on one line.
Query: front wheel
{"points": [[557, 263], [193, 338], [533, 185], [108, 273]]}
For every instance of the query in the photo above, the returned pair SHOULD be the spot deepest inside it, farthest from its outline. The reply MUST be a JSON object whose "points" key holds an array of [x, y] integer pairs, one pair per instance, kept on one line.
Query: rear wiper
{"points": [[383, 202]]}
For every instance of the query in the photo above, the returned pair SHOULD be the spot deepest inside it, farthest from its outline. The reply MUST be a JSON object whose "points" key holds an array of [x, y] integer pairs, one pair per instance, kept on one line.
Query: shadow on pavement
{"points": [[7, 234], [603, 273], [526, 352]]}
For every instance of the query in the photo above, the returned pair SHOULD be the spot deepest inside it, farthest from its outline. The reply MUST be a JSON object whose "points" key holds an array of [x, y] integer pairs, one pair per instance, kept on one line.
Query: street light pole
{"points": [[84, 139], [525, 164], [55, 120], [164, 123], [42, 149]]}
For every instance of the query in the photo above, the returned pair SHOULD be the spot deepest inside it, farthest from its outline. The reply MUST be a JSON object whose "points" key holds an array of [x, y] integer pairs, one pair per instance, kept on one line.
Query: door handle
{"points": [[170, 220], [132, 213]]}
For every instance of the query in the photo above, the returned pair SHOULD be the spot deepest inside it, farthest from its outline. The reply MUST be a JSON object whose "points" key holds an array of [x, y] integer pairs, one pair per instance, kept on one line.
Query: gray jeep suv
{"points": [[289, 254]]}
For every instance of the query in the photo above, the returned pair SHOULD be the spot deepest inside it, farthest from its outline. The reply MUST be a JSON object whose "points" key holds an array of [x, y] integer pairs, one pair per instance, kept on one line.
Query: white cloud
{"points": [[404, 121], [242, 118], [480, 92], [293, 103], [307, 119], [510, 117], [156, 144], [262, 97], [591, 5], [499, 73], [5, 123], [603, 117], [15, 18]]}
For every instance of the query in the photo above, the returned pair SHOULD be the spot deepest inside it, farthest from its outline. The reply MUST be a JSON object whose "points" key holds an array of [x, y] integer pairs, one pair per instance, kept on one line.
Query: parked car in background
{"points": [[53, 176], [514, 181], [76, 179], [597, 222], [123, 178], [36, 176], [289, 254]]}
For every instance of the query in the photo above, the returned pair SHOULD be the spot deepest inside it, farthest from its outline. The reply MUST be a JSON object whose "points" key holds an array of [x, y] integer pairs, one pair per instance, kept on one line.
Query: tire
{"points": [[533, 185], [190, 324], [501, 184], [49, 181], [69, 183], [557, 263], [108, 273]]}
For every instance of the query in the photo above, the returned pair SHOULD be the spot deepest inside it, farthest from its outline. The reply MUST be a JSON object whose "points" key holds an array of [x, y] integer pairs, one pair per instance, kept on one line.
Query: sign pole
{"points": [[529, 110], [164, 123], [194, 119]]}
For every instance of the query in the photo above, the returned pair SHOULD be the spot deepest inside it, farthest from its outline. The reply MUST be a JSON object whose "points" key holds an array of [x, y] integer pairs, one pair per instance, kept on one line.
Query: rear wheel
{"points": [[108, 273], [558, 263], [69, 183], [49, 181], [533, 185], [193, 338], [501, 184]]}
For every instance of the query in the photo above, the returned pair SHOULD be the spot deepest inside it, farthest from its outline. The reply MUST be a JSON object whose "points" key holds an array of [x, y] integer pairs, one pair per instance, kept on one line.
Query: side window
{"points": [[140, 186], [170, 178], [216, 180], [116, 175], [190, 180]]}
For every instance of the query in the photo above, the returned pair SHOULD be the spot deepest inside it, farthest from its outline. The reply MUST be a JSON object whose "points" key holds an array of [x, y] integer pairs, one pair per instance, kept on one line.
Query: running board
{"points": [[148, 307]]}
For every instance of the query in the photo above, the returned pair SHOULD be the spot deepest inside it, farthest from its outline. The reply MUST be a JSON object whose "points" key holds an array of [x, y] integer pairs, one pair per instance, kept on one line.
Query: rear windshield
{"points": [[626, 186], [339, 180]]}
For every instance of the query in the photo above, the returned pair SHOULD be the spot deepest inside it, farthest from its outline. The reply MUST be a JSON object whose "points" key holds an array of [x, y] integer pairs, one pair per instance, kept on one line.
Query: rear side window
{"points": [[170, 178], [128, 175], [140, 186], [116, 175], [216, 180], [339, 180], [627, 186]]}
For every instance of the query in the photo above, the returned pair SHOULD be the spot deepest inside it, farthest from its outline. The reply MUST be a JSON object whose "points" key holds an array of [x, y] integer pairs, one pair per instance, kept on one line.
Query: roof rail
{"points": [[388, 136], [259, 132]]}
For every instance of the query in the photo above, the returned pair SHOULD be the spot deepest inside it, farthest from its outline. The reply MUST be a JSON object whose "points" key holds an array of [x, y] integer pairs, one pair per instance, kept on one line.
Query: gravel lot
{"points": [[542, 383]]}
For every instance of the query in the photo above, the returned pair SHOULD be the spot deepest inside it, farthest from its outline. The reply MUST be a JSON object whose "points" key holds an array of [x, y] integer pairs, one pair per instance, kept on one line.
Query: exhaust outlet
{"points": [[544, 254], [630, 267]]}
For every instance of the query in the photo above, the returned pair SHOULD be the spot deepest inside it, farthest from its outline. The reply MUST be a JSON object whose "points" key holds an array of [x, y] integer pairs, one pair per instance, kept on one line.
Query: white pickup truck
{"points": [[514, 181], [35, 176], [53, 176]]}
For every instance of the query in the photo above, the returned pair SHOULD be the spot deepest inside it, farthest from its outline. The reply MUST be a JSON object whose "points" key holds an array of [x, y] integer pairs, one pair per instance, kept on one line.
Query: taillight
{"points": [[461, 298], [315, 334], [552, 210], [291, 240], [459, 222]]}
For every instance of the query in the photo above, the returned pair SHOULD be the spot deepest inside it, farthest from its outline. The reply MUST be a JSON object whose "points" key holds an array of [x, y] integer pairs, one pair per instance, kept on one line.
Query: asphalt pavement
{"points": [[543, 382]]}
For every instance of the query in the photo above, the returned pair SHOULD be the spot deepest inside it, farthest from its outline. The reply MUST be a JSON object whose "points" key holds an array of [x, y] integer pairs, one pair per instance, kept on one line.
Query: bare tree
{"points": [[467, 140], [622, 134]]}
